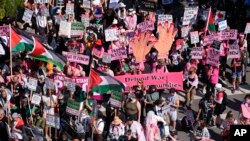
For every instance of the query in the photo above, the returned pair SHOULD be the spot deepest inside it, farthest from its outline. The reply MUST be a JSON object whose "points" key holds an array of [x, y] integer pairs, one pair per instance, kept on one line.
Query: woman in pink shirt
{"points": [[223, 58], [214, 78], [131, 20]]}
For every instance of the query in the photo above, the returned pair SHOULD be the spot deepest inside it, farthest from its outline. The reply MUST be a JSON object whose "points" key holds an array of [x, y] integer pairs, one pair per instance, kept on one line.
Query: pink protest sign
{"points": [[213, 57], [145, 26], [119, 53], [233, 34], [234, 51], [194, 36], [208, 40], [78, 58], [224, 35], [162, 81], [197, 53]]}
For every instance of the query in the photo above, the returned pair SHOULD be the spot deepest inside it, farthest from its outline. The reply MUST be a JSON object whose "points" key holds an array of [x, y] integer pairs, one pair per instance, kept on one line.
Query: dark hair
{"points": [[90, 93], [172, 90], [247, 96]]}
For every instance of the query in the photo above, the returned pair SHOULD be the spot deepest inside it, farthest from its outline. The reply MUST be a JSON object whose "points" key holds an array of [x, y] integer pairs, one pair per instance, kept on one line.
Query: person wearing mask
{"points": [[192, 85], [230, 120], [3, 129], [98, 127], [136, 129], [116, 129], [151, 97], [133, 107]]}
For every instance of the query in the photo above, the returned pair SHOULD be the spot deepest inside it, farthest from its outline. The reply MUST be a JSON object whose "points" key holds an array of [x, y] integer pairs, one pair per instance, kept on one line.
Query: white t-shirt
{"points": [[100, 125], [49, 104]]}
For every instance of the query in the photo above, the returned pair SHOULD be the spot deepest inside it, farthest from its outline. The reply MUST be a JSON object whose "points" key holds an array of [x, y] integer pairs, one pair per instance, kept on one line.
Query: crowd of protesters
{"points": [[147, 113]]}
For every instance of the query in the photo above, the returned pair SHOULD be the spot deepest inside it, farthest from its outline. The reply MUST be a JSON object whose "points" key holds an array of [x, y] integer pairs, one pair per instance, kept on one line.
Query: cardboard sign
{"points": [[73, 107], [148, 5], [184, 31], [86, 4], [65, 29], [77, 29], [53, 121], [247, 29], [119, 53], [4, 31], [220, 16], [85, 20], [78, 58], [106, 58], [113, 4], [70, 86], [197, 53], [213, 57], [27, 15], [162, 81], [190, 15], [145, 26], [36, 99], [49, 84], [32, 84], [234, 51], [70, 8], [163, 18], [216, 44], [194, 36], [116, 99], [223, 25], [111, 35]]}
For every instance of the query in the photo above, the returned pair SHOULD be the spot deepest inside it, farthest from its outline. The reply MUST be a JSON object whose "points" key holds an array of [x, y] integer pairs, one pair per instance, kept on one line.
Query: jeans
{"points": [[161, 128]]}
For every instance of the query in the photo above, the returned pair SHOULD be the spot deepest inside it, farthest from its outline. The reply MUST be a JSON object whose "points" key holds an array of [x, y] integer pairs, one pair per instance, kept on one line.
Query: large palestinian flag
{"points": [[19, 42], [39, 52], [210, 24], [102, 83]]}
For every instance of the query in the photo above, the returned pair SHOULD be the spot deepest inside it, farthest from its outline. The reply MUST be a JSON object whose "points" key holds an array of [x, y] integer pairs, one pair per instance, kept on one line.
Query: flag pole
{"points": [[11, 70], [209, 13]]}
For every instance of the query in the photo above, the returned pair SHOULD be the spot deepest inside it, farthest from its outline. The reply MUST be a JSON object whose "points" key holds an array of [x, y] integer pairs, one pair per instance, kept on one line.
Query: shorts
{"points": [[173, 115], [236, 75]]}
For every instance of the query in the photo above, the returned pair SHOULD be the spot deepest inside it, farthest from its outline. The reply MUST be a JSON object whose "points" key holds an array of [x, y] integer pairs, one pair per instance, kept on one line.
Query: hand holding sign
{"points": [[166, 39], [140, 46]]}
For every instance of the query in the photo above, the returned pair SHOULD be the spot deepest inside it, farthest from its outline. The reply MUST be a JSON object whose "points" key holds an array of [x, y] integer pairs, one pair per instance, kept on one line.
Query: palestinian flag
{"points": [[210, 25], [102, 83], [19, 42], [39, 52]]}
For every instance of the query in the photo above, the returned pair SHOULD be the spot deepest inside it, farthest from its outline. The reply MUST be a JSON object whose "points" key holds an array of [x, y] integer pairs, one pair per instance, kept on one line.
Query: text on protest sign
{"points": [[49, 84], [41, 1], [148, 5], [27, 15], [190, 15], [113, 4], [86, 4], [69, 8], [247, 29], [73, 107], [65, 29], [32, 84], [209, 39], [4, 31], [85, 20], [234, 51], [36, 99], [163, 18], [223, 25], [106, 58], [77, 29], [197, 53], [70, 86], [185, 31], [216, 44], [78, 58], [162, 81], [213, 57], [228, 34], [194, 36], [111, 35], [53, 121], [116, 99], [146, 26], [220, 16], [119, 53]]}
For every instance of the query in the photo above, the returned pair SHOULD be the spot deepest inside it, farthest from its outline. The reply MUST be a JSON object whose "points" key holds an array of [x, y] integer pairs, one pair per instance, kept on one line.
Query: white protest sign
{"points": [[213, 57], [197, 53], [65, 29], [190, 15], [36, 99], [194, 36], [163, 18], [220, 16], [113, 4], [111, 35], [85, 20], [86, 4], [106, 58], [247, 29], [53, 121], [27, 15], [77, 29], [223, 25], [41, 1], [70, 8], [32, 83], [145, 26], [185, 31], [78, 58], [234, 51]]}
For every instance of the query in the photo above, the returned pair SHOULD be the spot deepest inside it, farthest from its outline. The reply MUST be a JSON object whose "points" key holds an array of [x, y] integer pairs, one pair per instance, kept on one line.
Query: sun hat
{"points": [[218, 87], [116, 121]]}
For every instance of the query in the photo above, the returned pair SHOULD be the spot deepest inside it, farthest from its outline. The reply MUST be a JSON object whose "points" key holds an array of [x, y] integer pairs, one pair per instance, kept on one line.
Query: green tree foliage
{"points": [[10, 7]]}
